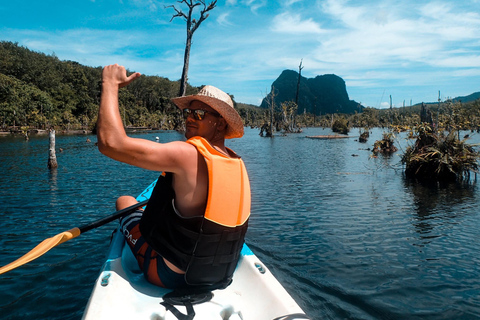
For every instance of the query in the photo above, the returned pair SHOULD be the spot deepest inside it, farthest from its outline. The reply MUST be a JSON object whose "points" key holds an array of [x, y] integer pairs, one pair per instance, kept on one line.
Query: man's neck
{"points": [[219, 144]]}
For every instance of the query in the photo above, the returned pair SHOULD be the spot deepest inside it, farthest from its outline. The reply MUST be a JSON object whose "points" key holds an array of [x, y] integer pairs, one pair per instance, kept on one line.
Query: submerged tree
{"points": [[340, 126], [386, 145], [440, 156], [268, 124], [364, 135], [289, 110], [192, 26]]}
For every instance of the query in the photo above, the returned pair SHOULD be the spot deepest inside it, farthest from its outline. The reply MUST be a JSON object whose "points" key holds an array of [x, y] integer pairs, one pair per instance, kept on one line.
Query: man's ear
{"points": [[222, 124]]}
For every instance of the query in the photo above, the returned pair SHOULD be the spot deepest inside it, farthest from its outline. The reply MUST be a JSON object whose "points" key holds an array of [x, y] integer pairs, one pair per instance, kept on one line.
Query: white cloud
{"points": [[458, 61], [471, 72], [94, 48], [373, 36], [254, 5], [224, 19], [349, 15], [293, 23], [289, 3]]}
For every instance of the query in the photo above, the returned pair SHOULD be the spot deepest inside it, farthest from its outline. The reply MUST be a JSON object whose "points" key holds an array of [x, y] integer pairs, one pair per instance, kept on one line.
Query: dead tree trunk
{"points": [[426, 115], [186, 61], [272, 113], [192, 26], [298, 82], [52, 158], [300, 67]]}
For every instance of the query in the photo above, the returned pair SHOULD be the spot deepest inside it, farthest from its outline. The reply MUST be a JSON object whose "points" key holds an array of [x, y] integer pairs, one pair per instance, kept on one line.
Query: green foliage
{"points": [[22, 104], [40, 91], [340, 125], [252, 116]]}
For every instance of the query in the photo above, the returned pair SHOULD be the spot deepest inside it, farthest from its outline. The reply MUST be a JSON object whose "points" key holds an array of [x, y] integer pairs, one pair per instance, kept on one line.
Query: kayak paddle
{"points": [[60, 238]]}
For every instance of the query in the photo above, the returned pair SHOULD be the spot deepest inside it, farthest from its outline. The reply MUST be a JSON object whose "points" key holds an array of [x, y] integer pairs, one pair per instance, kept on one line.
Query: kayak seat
{"points": [[134, 275], [129, 262]]}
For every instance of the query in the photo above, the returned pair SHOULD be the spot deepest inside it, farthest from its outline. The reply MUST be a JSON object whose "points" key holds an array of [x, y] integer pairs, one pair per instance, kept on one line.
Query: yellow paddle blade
{"points": [[41, 249]]}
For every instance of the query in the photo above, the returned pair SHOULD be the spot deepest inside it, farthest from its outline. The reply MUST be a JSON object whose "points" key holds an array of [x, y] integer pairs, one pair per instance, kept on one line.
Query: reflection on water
{"points": [[52, 183], [439, 203], [347, 235]]}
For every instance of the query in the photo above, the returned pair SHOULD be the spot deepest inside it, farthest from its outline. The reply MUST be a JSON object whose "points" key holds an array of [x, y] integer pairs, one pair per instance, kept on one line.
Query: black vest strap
{"points": [[187, 299]]}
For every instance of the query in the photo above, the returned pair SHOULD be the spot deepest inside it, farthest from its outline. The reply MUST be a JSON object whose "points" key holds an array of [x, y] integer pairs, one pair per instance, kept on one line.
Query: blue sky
{"points": [[408, 49]]}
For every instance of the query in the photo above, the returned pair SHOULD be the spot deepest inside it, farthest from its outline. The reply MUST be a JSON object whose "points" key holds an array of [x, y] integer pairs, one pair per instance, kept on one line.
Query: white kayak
{"points": [[121, 292]]}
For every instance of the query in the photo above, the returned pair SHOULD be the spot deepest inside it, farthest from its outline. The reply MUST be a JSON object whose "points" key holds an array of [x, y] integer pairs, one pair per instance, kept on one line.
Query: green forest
{"points": [[39, 91]]}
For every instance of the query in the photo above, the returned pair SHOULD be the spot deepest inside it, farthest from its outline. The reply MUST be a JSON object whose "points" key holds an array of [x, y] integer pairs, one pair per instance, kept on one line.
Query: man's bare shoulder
{"points": [[176, 150], [172, 156], [178, 147]]}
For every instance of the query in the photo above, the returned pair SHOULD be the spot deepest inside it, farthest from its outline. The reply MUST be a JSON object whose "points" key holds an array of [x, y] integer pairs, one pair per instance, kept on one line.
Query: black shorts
{"points": [[150, 262]]}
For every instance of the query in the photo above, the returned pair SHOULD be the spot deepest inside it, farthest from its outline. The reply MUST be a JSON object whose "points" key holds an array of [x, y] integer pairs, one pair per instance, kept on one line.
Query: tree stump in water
{"points": [[52, 158], [426, 115]]}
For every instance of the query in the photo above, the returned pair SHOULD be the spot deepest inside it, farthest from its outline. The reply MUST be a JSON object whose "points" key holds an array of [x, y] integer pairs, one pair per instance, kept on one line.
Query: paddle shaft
{"points": [[60, 238], [110, 218]]}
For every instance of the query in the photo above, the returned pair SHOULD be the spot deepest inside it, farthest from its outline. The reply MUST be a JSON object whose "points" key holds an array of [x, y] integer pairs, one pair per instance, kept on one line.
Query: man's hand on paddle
{"points": [[115, 74]]}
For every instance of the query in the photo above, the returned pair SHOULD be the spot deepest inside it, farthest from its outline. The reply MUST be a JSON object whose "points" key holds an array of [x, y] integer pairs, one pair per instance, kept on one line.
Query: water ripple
{"points": [[348, 236]]}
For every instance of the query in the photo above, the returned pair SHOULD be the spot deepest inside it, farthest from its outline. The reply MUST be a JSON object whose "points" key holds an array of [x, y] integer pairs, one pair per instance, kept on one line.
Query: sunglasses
{"points": [[198, 114]]}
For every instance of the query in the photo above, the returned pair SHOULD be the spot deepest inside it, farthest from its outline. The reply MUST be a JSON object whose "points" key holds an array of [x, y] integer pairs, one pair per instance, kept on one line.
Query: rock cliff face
{"points": [[320, 95]]}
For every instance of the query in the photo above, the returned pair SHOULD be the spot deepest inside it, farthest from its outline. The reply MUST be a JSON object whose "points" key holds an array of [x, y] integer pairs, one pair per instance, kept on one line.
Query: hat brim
{"points": [[231, 116]]}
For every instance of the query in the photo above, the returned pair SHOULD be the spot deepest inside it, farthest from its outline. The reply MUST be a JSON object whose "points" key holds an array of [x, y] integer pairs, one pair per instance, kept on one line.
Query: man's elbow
{"points": [[114, 147], [106, 148], [102, 147]]}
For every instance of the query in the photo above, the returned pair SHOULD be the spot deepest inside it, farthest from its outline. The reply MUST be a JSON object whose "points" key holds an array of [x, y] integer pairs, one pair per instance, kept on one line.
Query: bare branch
{"points": [[179, 13], [203, 14], [192, 25]]}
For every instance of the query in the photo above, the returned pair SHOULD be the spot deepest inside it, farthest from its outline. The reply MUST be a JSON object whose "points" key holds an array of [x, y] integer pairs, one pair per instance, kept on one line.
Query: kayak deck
{"points": [[121, 292]]}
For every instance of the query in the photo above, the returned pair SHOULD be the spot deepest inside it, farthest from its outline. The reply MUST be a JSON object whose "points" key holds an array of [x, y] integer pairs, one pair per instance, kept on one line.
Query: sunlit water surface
{"points": [[346, 234]]}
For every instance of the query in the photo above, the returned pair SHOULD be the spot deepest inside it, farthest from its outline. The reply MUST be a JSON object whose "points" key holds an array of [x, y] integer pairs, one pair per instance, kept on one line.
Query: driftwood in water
{"points": [[336, 136], [52, 158]]}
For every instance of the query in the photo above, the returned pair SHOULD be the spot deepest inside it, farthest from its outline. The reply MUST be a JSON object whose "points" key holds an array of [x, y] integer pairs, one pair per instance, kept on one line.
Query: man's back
{"points": [[191, 186]]}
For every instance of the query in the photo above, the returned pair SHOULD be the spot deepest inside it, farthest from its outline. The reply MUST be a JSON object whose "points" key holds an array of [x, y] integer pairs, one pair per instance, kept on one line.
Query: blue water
{"points": [[346, 234]]}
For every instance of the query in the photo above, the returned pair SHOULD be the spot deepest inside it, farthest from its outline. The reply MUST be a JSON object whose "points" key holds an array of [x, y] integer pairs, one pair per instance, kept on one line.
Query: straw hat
{"points": [[220, 102]]}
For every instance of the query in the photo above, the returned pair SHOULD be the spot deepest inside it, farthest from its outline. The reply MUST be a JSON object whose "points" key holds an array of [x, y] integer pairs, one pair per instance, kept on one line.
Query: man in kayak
{"points": [[193, 227]]}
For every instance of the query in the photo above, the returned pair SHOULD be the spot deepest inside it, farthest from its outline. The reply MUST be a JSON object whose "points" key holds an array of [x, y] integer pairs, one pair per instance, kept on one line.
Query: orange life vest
{"points": [[206, 247], [228, 201]]}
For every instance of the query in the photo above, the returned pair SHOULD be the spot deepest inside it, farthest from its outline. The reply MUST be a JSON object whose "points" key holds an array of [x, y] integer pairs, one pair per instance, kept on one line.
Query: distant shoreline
{"points": [[31, 132], [42, 132]]}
